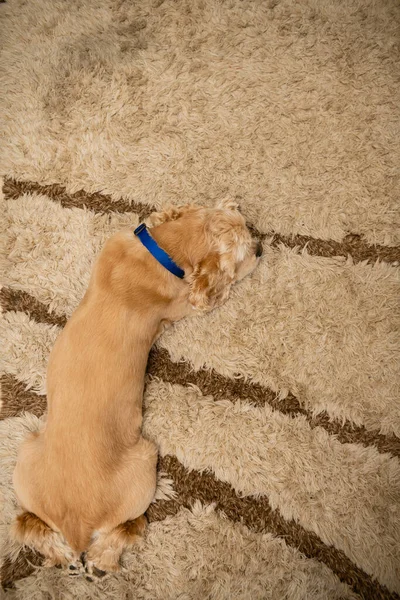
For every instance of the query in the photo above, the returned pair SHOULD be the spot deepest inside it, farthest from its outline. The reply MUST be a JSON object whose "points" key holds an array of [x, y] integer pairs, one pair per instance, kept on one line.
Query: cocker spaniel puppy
{"points": [[86, 479]]}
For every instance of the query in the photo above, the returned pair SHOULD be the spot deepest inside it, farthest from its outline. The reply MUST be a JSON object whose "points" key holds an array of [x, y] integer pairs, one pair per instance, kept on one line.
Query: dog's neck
{"points": [[176, 240], [148, 241]]}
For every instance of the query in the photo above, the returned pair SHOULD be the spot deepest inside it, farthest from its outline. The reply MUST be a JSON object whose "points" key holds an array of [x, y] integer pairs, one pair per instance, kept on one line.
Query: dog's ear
{"points": [[169, 214], [210, 283]]}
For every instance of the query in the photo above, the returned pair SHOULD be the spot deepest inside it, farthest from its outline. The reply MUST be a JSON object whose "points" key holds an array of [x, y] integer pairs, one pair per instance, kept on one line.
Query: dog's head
{"points": [[215, 247]]}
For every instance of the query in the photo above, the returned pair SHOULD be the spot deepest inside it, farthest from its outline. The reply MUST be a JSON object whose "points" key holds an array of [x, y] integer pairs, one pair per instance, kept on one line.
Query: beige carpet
{"points": [[277, 416]]}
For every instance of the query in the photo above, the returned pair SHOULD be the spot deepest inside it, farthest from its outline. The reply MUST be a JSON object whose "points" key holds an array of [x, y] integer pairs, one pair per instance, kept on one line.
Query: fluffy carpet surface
{"points": [[279, 473]]}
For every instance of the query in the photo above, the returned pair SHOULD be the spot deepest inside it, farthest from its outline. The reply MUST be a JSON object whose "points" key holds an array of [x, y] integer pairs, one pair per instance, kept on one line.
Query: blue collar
{"points": [[159, 254]]}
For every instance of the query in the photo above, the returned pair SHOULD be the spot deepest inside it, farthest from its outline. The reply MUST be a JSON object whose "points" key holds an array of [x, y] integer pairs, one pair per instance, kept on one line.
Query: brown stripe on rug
{"points": [[259, 517], [219, 387], [23, 566], [212, 383], [19, 300], [98, 202], [16, 399], [352, 245]]}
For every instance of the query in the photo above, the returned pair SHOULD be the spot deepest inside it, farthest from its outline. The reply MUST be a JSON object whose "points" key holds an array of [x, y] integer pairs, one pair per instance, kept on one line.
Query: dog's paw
{"points": [[75, 569], [91, 571]]}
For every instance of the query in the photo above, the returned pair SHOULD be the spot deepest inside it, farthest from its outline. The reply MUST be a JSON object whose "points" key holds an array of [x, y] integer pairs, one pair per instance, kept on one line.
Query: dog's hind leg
{"points": [[105, 551], [31, 531]]}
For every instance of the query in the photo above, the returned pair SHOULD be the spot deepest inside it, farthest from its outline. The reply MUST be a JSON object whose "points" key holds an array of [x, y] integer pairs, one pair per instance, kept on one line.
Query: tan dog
{"points": [[86, 479]]}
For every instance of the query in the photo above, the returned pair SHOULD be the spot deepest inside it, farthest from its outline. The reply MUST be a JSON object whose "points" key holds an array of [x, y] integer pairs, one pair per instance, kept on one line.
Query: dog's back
{"points": [[73, 475]]}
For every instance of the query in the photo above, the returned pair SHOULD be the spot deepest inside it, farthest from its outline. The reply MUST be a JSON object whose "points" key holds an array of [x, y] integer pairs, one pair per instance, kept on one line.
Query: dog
{"points": [[85, 480]]}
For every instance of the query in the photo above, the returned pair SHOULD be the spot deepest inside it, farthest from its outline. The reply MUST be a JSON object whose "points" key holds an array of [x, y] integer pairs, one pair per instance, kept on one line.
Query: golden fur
{"points": [[87, 478]]}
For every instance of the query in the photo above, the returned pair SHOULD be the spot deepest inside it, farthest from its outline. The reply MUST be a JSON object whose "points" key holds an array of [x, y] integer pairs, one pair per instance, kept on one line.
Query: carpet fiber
{"points": [[277, 416]]}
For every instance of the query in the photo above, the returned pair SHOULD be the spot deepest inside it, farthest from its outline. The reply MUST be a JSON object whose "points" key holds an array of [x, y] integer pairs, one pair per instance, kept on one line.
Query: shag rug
{"points": [[277, 416]]}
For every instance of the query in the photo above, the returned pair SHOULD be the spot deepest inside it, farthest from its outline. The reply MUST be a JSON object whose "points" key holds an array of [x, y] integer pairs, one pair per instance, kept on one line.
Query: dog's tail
{"points": [[31, 531], [77, 532]]}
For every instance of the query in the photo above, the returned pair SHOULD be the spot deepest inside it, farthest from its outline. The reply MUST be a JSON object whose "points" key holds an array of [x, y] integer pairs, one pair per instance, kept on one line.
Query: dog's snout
{"points": [[259, 249]]}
